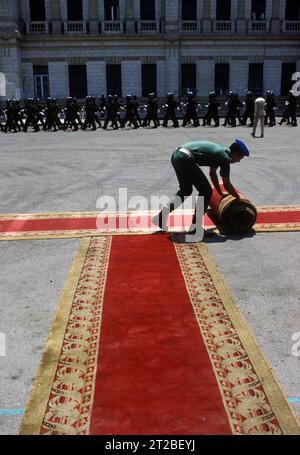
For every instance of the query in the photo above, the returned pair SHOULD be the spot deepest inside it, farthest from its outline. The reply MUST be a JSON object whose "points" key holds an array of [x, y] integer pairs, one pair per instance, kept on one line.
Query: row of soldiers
{"points": [[108, 110]]}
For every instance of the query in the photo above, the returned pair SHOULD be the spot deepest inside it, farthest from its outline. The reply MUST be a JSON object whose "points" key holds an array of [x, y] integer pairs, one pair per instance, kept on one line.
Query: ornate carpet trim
{"points": [[62, 397], [252, 398]]}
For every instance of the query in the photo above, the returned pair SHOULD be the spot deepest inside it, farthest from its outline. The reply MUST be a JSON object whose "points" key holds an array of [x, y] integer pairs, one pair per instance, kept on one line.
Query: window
{"points": [[189, 10], [41, 81], [223, 12], [292, 10], [288, 69], [111, 8], [149, 80], [37, 10], [147, 10], [78, 81], [256, 78], [113, 80], [258, 11], [222, 79], [188, 78], [75, 12]]}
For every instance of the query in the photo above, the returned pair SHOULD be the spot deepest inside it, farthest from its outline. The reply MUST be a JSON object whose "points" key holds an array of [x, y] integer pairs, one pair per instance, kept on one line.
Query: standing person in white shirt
{"points": [[259, 114]]}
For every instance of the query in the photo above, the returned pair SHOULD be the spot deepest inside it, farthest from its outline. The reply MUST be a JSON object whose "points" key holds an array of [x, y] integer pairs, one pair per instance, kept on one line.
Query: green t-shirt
{"points": [[210, 154]]}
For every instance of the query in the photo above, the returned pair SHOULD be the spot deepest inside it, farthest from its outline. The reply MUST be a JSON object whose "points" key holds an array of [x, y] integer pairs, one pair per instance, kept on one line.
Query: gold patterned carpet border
{"points": [[253, 399]]}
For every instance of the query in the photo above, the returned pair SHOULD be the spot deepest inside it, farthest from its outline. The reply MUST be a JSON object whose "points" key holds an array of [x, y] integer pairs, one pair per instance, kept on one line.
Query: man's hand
{"points": [[230, 188]]}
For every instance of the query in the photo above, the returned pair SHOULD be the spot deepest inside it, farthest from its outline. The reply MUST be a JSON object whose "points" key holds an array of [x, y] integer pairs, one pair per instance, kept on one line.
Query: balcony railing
{"points": [[148, 26], [223, 26], [38, 27], [190, 26], [112, 27], [74, 27], [291, 26], [259, 26]]}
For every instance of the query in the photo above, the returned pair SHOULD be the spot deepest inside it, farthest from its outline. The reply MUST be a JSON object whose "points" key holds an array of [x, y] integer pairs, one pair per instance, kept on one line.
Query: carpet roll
{"points": [[235, 215]]}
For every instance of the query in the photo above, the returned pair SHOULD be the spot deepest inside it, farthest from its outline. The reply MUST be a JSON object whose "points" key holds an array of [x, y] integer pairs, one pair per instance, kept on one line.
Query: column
{"points": [[173, 69], [130, 16], [85, 10], [59, 79], [272, 75], [48, 10], [96, 78], [282, 8], [241, 23], [27, 79], [248, 7], [93, 16], [206, 22], [269, 8], [56, 17], [161, 78], [131, 77], [238, 76], [11, 67], [205, 77], [275, 24], [172, 16], [234, 9]]}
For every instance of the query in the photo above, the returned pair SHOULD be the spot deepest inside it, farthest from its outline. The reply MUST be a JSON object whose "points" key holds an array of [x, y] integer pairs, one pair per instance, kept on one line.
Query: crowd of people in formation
{"points": [[111, 113]]}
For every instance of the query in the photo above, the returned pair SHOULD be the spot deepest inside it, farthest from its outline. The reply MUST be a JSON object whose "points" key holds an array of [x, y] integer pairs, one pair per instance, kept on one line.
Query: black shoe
{"points": [[158, 221]]}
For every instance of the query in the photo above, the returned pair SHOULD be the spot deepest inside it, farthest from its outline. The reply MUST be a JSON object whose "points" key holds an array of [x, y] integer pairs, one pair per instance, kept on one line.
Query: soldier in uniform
{"points": [[137, 105], [213, 111], [118, 107], [236, 110], [90, 109], [17, 116], [293, 108], [111, 114], [72, 114], [230, 108], [289, 115], [130, 113], [52, 116], [102, 106], [191, 111], [152, 112], [170, 113], [9, 124], [249, 111], [270, 109], [32, 112], [39, 112]]}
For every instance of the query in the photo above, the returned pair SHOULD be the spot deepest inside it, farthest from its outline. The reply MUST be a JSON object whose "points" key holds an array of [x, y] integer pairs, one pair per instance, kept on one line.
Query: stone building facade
{"points": [[78, 47]]}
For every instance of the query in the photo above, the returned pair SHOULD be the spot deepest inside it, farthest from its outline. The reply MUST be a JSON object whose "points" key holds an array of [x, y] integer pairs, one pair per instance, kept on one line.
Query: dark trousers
{"points": [[188, 175]]}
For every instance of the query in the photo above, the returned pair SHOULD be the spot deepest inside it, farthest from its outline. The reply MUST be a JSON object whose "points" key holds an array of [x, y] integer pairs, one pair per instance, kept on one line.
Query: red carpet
{"points": [[154, 374], [61, 225], [147, 340]]}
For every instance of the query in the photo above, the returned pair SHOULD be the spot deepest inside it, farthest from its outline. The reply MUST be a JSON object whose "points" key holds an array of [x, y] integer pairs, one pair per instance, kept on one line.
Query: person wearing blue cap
{"points": [[187, 161]]}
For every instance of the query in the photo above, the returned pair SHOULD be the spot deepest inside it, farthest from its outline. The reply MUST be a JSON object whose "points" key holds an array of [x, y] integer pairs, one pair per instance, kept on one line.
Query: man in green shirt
{"points": [[187, 161]]}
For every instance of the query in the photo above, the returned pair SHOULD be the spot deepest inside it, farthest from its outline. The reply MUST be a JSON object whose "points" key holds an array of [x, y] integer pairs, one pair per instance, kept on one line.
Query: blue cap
{"points": [[242, 147]]}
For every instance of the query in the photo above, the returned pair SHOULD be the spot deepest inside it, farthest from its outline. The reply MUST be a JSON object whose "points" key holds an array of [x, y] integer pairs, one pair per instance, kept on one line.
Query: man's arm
{"points": [[228, 187], [215, 180]]}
